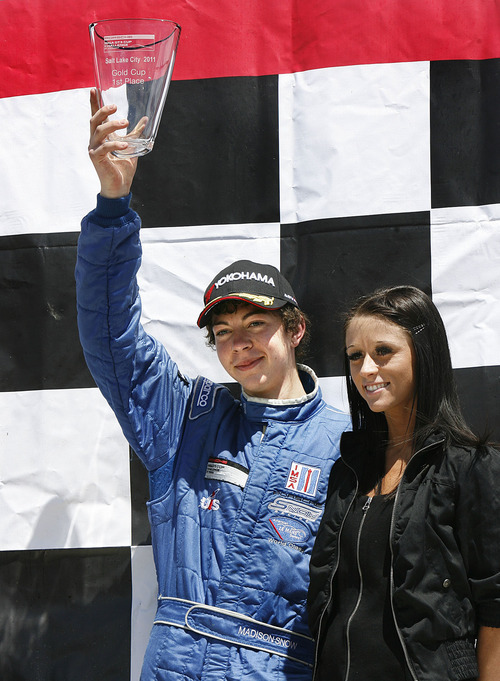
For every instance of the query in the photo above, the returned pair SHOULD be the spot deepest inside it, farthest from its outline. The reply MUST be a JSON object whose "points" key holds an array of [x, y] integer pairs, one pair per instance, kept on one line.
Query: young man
{"points": [[237, 486]]}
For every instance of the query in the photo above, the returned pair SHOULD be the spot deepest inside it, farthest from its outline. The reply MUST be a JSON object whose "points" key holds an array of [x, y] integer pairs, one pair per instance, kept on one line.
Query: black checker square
{"points": [[215, 160], [65, 615], [479, 392], [332, 262], [39, 344], [139, 495], [465, 132]]}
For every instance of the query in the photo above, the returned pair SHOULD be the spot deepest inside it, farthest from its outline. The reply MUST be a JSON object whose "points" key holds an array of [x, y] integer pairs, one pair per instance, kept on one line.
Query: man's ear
{"points": [[298, 334]]}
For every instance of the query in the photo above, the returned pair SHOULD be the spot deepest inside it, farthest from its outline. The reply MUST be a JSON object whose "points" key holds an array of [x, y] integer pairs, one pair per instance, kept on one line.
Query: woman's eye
{"points": [[353, 356], [384, 350]]}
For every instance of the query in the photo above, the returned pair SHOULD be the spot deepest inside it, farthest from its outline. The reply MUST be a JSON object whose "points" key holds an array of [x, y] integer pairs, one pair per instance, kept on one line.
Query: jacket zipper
{"points": [[391, 532], [321, 618], [360, 594]]}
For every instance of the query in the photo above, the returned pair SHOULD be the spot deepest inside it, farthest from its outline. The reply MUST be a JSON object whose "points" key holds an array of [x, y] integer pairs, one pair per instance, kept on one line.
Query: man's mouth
{"points": [[247, 364]]}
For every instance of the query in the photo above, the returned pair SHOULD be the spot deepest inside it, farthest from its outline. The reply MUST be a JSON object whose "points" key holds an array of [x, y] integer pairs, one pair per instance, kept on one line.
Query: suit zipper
{"points": [[360, 594], [264, 429], [391, 533]]}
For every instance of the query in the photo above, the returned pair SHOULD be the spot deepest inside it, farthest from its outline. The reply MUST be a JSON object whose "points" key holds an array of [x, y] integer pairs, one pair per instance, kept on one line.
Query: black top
{"points": [[446, 558], [361, 642]]}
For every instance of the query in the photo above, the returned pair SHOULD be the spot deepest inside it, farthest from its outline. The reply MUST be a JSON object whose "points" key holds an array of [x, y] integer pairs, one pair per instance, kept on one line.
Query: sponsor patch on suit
{"points": [[303, 479]]}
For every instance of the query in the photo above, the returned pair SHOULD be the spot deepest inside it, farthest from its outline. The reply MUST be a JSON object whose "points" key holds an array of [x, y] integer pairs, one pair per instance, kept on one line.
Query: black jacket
{"points": [[445, 545]]}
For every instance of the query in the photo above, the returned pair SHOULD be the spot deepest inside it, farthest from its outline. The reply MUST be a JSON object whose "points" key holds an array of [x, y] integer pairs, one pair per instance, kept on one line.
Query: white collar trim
{"points": [[291, 401]]}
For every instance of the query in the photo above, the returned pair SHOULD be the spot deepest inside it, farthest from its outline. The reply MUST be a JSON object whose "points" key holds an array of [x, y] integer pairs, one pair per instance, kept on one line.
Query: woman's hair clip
{"points": [[418, 329]]}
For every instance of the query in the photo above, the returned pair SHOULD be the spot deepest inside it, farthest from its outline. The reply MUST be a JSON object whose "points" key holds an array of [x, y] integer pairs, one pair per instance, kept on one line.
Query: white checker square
{"points": [[465, 256], [178, 264], [334, 391], [354, 140], [49, 182], [64, 472]]}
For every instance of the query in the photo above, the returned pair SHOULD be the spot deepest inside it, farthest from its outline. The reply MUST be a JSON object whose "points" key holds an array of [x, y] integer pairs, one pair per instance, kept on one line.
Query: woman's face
{"points": [[382, 363]]}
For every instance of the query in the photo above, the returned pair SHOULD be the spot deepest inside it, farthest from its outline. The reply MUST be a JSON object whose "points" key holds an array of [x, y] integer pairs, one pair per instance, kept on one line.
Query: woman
{"points": [[405, 571]]}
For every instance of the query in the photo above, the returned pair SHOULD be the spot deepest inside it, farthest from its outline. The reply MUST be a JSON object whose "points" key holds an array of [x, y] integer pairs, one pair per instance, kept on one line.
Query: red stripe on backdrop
{"points": [[44, 45]]}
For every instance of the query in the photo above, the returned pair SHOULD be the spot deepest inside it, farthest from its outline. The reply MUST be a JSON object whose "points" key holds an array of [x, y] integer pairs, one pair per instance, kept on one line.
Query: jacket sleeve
{"points": [[133, 371], [479, 532]]}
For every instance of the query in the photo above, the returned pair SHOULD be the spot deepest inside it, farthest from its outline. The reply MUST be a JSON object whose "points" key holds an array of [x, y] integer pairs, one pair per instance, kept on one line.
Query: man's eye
{"points": [[222, 332]]}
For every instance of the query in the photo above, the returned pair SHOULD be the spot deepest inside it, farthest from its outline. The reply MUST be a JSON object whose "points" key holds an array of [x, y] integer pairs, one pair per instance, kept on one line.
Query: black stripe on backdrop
{"points": [[329, 261], [39, 344], [215, 160], [465, 132]]}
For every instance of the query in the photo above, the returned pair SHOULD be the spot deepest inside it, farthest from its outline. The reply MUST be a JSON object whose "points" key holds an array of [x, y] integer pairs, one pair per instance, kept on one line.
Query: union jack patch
{"points": [[302, 478]]}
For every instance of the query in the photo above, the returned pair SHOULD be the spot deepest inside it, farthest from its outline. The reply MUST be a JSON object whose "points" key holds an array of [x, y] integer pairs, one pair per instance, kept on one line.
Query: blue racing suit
{"points": [[237, 486]]}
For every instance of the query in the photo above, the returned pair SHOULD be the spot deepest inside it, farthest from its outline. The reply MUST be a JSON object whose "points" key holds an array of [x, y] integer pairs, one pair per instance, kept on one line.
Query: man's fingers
{"points": [[94, 101], [101, 152], [101, 115], [115, 174], [101, 131]]}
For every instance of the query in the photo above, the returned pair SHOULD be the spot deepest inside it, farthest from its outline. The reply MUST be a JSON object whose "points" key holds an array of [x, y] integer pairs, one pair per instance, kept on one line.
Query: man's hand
{"points": [[115, 174]]}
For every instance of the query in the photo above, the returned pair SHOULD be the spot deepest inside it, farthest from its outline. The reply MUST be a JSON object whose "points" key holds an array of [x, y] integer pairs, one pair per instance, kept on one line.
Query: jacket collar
{"points": [[357, 446]]}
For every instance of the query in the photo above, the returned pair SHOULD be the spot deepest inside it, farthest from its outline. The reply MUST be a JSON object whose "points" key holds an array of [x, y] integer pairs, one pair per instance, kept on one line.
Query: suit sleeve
{"points": [[133, 371]]}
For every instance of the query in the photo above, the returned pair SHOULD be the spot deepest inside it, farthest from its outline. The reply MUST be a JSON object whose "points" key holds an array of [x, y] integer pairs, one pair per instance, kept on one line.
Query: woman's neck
{"points": [[398, 452]]}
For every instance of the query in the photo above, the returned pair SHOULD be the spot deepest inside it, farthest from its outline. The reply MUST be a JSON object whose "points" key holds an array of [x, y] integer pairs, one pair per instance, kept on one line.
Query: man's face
{"points": [[255, 350]]}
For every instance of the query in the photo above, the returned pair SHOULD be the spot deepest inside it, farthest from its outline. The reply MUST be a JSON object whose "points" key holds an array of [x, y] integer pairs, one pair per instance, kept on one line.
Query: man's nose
{"points": [[241, 339]]}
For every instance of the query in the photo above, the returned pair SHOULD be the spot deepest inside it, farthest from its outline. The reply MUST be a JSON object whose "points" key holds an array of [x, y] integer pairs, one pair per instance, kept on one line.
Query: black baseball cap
{"points": [[261, 285]]}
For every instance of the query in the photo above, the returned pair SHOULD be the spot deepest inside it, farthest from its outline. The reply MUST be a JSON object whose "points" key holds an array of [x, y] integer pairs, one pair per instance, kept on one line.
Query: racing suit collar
{"points": [[299, 408]]}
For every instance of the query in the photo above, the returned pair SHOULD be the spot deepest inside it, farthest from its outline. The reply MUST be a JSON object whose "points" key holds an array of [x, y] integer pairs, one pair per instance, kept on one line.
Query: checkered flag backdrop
{"points": [[352, 143]]}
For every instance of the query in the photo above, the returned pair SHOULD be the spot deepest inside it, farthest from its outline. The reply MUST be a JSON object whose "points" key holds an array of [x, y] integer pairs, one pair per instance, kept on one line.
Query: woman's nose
{"points": [[369, 366]]}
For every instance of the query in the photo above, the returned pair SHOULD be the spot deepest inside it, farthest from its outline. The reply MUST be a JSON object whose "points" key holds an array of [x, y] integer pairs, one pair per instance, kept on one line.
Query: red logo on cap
{"points": [[208, 294]]}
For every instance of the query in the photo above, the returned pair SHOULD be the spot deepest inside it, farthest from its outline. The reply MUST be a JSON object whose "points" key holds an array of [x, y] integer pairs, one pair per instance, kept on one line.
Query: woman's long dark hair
{"points": [[438, 406]]}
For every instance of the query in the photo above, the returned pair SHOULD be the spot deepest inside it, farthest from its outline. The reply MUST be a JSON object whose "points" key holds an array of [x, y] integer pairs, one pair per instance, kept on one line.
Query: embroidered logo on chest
{"points": [[210, 503], [294, 508], [289, 530], [303, 479]]}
